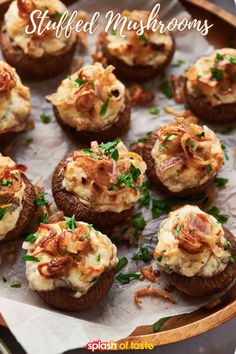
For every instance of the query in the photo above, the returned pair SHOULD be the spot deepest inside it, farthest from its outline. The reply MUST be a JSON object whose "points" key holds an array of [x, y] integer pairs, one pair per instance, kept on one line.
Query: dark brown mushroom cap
{"points": [[137, 72], [202, 108], [34, 68], [199, 286], [102, 135], [26, 213], [62, 298], [151, 172], [70, 204]]}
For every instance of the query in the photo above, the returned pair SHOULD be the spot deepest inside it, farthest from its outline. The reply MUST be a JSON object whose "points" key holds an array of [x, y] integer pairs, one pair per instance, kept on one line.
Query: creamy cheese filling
{"points": [[12, 190], [186, 155], [14, 100], [74, 259], [152, 48], [102, 183], [214, 76], [90, 99], [18, 17], [192, 243]]}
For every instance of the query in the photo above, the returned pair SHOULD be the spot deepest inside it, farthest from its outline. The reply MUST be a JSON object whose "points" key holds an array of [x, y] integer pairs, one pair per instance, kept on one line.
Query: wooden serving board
{"points": [[178, 328]]}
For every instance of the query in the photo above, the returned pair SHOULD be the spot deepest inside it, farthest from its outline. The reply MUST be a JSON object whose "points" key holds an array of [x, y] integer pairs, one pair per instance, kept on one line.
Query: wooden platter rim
{"points": [[220, 316], [213, 9], [187, 331]]}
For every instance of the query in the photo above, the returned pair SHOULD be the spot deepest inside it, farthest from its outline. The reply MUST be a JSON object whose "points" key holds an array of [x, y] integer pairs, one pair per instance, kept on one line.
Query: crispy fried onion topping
{"points": [[25, 7], [137, 95], [140, 46], [148, 273], [214, 74], [57, 267], [183, 144], [194, 233], [153, 292], [10, 183], [103, 171], [96, 85], [178, 84], [98, 55], [66, 247], [7, 81], [67, 241]]}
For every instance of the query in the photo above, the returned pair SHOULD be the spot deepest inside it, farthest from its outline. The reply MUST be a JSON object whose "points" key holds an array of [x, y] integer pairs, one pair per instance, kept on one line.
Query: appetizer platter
{"points": [[124, 191]]}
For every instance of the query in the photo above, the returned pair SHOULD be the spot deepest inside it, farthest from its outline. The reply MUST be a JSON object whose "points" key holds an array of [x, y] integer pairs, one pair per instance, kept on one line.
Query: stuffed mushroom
{"points": [[70, 264], [183, 158], [99, 185], [36, 56], [197, 254], [92, 104], [211, 86], [14, 104], [17, 200], [138, 57]]}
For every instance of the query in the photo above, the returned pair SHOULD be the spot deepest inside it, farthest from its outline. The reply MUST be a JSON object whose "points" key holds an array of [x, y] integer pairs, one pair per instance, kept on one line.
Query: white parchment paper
{"points": [[41, 330]]}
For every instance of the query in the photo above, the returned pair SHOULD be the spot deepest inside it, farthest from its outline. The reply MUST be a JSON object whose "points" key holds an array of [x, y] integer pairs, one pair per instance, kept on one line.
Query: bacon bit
{"points": [[153, 292], [148, 273], [178, 83], [7, 81], [57, 267], [191, 237], [187, 114], [137, 95]]}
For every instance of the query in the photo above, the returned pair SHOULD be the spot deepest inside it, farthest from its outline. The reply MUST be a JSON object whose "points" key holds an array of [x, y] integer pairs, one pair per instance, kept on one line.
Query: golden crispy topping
{"points": [[91, 98], [153, 292], [57, 267], [18, 18], [7, 81], [110, 170], [148, 273], [214, 76], [191, 242], [192, 232], [10, 183], [71, 251], [183, 143], [150, 48], [178, 85], [25, 7], [138, 96]]}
